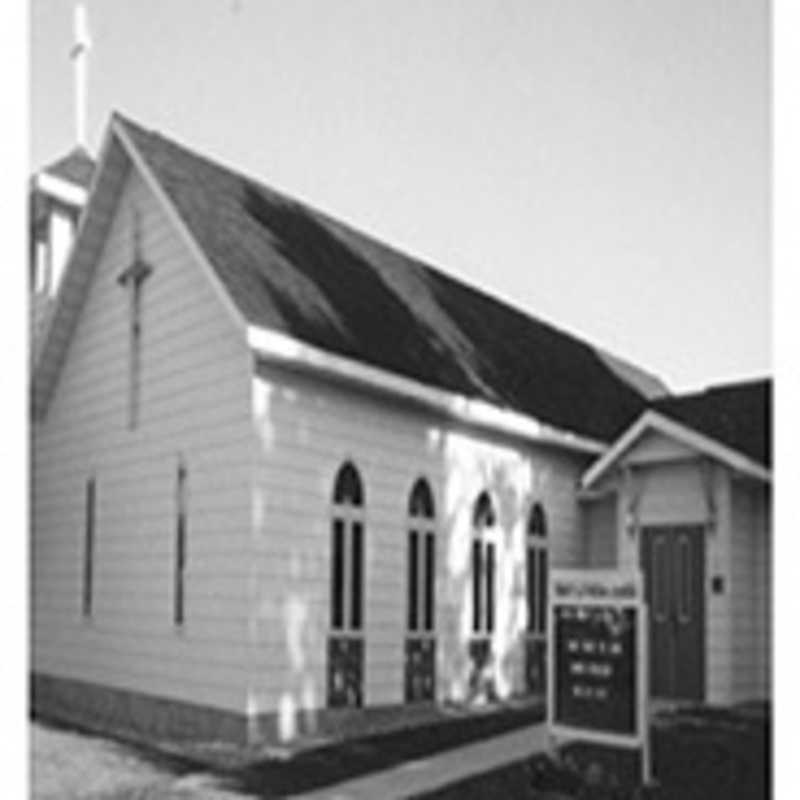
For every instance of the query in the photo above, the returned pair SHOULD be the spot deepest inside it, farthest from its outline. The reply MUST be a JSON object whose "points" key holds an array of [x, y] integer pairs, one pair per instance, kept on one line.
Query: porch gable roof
{"points": [[656, 419]]}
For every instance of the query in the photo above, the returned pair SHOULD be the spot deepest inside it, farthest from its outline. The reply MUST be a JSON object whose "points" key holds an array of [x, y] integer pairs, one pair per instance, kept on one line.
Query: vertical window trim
{"points": [[90, 513]]}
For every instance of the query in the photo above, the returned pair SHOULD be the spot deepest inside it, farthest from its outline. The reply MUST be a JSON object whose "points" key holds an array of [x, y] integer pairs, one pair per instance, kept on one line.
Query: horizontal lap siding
{"points": [[194, 401], [599, 523], [304, 431], [750, 588], [655, 448]]}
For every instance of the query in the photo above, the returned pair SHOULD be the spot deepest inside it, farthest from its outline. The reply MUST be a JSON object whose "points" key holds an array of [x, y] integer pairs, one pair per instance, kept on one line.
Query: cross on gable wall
{"points": [[133, 278]]}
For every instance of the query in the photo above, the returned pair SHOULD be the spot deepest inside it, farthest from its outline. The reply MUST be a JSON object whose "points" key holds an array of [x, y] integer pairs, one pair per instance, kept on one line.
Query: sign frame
{"points": [[619, 589]]}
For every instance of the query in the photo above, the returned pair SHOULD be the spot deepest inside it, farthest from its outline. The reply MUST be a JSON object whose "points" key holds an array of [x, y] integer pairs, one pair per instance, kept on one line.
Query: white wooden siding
{"points": [[304, 429], [194, 404], [654, 447], [600, 531], [750, 591]]}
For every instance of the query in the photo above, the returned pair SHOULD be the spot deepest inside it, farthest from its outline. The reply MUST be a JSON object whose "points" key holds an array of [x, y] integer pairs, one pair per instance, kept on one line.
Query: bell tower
{"points": [[58, 193]]}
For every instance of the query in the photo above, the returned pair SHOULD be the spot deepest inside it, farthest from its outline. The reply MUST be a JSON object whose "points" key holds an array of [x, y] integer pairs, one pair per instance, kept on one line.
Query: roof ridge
{"points": [[291, 267], [352, 229]]}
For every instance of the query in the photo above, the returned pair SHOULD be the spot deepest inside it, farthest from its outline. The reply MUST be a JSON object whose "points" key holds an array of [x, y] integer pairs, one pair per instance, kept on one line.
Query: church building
{"points": [[288, 480]]}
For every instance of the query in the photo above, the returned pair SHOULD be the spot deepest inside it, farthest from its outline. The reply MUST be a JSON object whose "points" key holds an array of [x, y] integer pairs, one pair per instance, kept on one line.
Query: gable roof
{"points": [[737, 415], [731, 423], [76, 167], [292, 269], [647, 384]]}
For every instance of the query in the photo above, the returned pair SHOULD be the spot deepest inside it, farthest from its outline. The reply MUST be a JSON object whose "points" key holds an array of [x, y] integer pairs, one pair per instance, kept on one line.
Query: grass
{"points": [[187, 771], [697, 754]]}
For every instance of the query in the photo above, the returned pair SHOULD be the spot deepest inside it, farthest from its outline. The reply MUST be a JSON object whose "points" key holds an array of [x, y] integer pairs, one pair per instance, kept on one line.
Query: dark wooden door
{"points": [[673, 563]]}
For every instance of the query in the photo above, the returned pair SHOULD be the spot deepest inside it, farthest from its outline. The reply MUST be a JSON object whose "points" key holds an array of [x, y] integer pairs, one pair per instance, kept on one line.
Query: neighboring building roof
{"points": [[737, 415], [76, 167], [290, 268], [731, 423], [647, 384]]}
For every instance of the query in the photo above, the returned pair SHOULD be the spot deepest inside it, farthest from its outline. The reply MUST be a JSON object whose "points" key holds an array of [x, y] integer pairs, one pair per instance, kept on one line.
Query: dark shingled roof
{"points": [[76, 167], [291, 268], [737, 415]]}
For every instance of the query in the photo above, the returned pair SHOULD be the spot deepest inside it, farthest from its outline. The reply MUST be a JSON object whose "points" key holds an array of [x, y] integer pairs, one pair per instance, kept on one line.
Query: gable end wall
{"points": [[194, 404]]}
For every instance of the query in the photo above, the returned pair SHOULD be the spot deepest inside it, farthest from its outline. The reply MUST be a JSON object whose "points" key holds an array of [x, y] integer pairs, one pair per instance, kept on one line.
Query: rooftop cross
{"points": [[79, 56]]}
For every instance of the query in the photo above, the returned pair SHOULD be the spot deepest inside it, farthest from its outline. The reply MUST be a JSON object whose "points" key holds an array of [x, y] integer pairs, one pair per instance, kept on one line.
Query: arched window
{"points": [[537, 570], [537, 523], [483, 566], [483, 512], [421, 558], [347, 550], [347, 489]]}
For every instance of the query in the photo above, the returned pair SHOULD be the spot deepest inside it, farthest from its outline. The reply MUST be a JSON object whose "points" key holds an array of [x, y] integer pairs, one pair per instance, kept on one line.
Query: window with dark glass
{"points": [[421, 557], [180, 543], [88, 546], [483, 566], [347, 551], [536, 570]]}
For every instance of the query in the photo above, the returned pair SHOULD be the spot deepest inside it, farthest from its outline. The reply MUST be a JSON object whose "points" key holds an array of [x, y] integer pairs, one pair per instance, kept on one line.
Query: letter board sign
{"points": [[597, 657]]}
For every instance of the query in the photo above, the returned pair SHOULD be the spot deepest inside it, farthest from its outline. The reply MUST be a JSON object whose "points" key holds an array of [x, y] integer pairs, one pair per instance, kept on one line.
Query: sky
{"points": [[605, 166]]}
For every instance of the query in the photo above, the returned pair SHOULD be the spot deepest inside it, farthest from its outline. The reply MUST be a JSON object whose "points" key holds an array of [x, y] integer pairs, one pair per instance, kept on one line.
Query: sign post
{"points": [[597, 659]]}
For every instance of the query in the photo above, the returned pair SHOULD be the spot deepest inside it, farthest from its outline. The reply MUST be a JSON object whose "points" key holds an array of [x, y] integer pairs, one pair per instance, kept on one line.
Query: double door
{"points": [[673, 564]]}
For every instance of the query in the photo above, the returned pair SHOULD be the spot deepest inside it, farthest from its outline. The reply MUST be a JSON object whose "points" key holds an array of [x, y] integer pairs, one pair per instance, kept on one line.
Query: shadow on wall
{"points": [[288, 631], [512, 483]]}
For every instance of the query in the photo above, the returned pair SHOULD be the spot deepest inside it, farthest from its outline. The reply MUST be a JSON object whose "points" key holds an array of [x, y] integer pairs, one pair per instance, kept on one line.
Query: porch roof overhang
{"points": [[652, 420]]}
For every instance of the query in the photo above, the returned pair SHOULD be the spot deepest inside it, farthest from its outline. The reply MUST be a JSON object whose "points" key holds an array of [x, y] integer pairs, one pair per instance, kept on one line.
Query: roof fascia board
{"points": [[180, 226], [653, 420], [712, 447], [624, 441], [63, 190], [278, 347]]}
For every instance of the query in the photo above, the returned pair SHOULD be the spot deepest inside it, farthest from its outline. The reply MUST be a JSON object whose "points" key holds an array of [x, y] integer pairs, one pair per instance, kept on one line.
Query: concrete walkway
{"points": [[426, 774]]}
